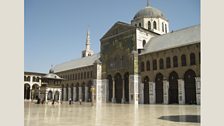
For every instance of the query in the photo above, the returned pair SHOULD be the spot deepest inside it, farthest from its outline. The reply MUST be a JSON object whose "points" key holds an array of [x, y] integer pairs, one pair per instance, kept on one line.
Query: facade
{"points": [[138, 63]]}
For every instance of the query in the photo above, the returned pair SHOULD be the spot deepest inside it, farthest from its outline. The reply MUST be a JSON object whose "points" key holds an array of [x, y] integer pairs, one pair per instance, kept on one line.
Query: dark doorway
{"points": [[110, 84], [190, 87], [146, 90], [118, 88], [35, 90], [89, 91], [77, 92], [83, 92], [126, 86], [26, 91], [159, 88], [71, 92], [62, 93], [66, 93], [173, 88]]}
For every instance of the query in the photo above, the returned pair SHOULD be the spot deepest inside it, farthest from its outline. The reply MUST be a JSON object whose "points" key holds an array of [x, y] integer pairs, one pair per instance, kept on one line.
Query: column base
{"points": [[123, 100], [113, 100]]}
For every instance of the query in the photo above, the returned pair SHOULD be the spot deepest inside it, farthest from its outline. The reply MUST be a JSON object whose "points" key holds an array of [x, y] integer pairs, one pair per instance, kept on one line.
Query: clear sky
{"points": [[55, 30]]}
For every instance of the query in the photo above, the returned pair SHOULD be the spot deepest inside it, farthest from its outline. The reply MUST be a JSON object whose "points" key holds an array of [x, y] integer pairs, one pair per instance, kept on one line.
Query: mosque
{"points": [[138, 63]]}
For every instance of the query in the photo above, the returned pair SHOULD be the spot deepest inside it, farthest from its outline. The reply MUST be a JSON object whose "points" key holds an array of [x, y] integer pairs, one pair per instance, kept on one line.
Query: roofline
{"points": [[28, 72]]}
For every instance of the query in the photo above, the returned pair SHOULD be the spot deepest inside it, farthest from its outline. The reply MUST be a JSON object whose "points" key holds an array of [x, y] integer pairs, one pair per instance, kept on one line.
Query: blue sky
{"points": [[55, 30]]}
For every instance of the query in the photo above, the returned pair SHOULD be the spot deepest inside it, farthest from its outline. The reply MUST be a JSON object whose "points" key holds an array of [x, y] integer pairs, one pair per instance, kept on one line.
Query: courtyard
{"points": [[110, 115]]}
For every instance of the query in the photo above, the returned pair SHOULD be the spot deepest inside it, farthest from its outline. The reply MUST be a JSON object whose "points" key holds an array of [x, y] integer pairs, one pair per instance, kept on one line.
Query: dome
{"points": [[51, 70], [149, 12]]}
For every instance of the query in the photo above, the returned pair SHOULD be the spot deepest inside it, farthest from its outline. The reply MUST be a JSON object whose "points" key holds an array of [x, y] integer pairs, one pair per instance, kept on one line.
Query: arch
{"points": [[154, 25], [110, 84], [175, 61], [143, 43], [190, 87], [192, 59], [142, 66], [26, 91], [118, 87], [173, 88], [28, 78], [56, 96], [161, 64], [168, 63], [159, 88], [146, 90], [183, 60], [126, 86], [34, 79], [50, 95], [35, 91], [149, 25]]}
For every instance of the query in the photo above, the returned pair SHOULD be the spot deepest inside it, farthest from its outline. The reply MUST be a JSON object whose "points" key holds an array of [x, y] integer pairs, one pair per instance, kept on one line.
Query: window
{"points": [[135, 25], [154, 64], [192, 59], [143, 43], [161, 64], [168, 62], [34, 79], [183, 60], [162, 27], [175, 61], [149, 25], [165, 28], [142, 66], [140, 24], [154, 25], [148, 66]]}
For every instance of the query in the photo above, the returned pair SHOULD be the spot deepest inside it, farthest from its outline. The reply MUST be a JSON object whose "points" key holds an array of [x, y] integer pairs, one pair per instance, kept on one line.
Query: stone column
{"points": [[80, 93], [69, 93], [59, 100], [46, 96], [65, 93], [181, 91], [123, 92], [113, 96], [86, 94], [152, 93], [30, 93], [74, 93], [134, 89], [198, 90], [165, 92]]}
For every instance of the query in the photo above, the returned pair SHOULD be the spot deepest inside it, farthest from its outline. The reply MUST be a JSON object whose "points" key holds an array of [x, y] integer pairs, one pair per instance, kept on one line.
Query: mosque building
{"points": [[138, 63]]}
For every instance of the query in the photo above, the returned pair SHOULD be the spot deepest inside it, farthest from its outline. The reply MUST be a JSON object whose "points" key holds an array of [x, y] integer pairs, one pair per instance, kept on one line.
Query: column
{"points": [[198, 90], [69, 93], [74, 93], [30, 93], [134, 89], [80, 92], [46, 96], [152, 93], [113, 97], [123, 92], [181, 91], [86, 94], [165, 92], [64, 96], [59, 96]]}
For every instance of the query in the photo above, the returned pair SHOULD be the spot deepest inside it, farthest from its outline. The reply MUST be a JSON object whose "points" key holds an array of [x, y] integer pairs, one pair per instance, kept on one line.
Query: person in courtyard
{"points": [[70, 101], [80, 101], [53, 102]]}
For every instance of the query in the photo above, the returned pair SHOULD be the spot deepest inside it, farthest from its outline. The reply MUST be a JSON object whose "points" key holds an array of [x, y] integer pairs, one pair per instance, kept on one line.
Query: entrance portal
{"points": [[159, 88], [118, 87], [190, 87], [173, 88], [146, 90]]}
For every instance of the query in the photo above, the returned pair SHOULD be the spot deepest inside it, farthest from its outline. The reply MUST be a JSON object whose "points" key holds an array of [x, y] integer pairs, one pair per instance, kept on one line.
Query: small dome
{"points": [[149, 12], [51, 70]]}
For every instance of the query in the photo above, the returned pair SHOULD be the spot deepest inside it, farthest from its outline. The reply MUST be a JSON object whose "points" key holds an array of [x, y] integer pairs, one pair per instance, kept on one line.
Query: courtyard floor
{"points": [[110, 115]]}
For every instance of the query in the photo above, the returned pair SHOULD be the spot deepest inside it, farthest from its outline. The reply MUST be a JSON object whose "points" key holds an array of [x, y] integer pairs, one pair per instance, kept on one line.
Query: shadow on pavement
{"points": [[182, 118]]}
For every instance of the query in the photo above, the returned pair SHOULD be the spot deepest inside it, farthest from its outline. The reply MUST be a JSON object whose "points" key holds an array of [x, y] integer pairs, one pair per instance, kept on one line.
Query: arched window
{"points": [[154, 64], [37, 79], [168, 64], [192, 59], [142, 66], [161, 64], [149, 25], [162, 27], [143, 43], [175, 61], [34, 79], [25, 78], [165, 28], [140, 25], [154, 25], [148, 66], [183, 60]]}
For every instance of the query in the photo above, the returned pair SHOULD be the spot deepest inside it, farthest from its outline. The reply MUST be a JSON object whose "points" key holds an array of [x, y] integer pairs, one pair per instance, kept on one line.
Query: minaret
{"points": [[87, 51]]}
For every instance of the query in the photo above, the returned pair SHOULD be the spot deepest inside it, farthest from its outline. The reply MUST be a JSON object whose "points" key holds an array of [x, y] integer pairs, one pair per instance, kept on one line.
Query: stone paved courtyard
{"points": [[110, 115]]}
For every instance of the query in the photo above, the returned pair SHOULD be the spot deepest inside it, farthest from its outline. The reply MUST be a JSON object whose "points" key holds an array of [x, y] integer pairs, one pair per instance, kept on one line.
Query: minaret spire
{"points": [[88, 40], [147, 3]]}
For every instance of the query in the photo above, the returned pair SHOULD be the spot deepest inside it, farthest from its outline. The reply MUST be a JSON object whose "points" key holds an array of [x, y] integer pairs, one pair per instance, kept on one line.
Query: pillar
{"points": [[198, 90], [113, 96], [86, 94], [165, 92], [46, 94], [152, 93], [123, 92], [69, 93], [80, 92], [64, 98], [134, 82], [181, 91], [30, 93], [59, 100], [74, 93]]}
